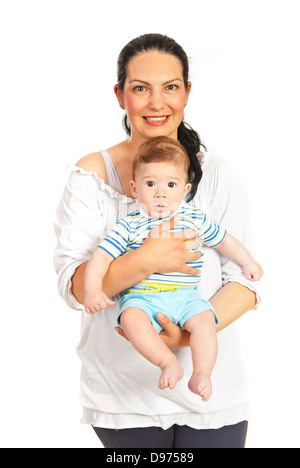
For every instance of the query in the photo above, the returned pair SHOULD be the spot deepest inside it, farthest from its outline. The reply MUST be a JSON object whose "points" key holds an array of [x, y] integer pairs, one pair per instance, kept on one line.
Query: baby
{"points": [[160, 182]]}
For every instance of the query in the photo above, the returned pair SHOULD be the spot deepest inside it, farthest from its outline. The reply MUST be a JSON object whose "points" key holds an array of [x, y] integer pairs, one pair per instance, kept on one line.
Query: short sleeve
{"points": [[115, 244], [210, 232]]}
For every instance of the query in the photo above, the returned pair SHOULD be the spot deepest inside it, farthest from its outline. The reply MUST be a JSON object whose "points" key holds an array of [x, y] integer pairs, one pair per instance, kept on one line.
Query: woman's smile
{"points": [[154, 95], [156, 121]]}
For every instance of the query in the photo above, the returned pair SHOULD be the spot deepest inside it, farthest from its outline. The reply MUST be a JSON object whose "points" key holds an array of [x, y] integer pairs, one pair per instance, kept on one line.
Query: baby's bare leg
{"points": [[204, 347], [139, 330]]}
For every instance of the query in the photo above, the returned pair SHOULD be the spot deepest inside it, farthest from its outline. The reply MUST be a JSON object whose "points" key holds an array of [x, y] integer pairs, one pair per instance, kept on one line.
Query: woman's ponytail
{"points": [[192, 144]]}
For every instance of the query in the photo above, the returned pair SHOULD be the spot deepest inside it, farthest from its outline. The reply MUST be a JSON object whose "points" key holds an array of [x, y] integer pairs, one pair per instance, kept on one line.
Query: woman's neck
{"points": [[131, 145], [122, 155]]}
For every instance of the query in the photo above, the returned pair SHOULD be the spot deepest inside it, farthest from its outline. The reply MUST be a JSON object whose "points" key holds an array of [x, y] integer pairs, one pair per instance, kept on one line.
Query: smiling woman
{"points": [[118, 393], [167, 88], [157, 102]]}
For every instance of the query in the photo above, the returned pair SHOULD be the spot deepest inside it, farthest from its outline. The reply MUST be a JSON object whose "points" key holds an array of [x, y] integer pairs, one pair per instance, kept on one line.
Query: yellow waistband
{"points": [[158, 287]]}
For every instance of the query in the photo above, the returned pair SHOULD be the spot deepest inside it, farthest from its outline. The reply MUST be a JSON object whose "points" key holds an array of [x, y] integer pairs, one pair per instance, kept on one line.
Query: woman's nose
{"points": [[156, 100]]}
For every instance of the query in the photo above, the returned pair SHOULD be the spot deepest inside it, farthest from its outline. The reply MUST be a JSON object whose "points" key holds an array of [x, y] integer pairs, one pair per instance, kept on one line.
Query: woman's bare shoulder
{"points": [[94, 162]]}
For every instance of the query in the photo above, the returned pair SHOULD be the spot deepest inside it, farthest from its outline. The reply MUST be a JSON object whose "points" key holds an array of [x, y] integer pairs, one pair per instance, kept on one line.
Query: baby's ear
{"points": [[133, 188], [187, 188]]}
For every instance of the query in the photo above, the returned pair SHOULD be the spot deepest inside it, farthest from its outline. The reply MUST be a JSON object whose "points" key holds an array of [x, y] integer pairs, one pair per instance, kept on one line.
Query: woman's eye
{"points": [[172, 87], [140, 89], [150, 184]]}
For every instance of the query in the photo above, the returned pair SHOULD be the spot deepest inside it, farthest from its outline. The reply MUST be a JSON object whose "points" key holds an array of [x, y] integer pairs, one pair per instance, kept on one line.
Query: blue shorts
{"points": [[178, 305]]}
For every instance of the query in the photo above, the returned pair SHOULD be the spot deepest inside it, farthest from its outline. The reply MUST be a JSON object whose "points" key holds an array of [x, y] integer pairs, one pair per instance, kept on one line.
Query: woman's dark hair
{"points": [[188, 137]]}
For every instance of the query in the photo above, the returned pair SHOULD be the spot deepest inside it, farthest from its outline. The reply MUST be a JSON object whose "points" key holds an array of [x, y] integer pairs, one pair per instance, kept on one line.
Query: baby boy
{"points": [[160, 182]]}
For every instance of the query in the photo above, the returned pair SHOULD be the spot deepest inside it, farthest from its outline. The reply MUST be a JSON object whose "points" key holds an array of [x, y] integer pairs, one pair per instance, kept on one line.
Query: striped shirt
{"points": [[130, 232]]}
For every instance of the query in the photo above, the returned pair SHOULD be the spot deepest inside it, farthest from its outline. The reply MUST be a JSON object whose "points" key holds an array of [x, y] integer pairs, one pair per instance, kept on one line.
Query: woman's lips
{"points": [[156, 121]]}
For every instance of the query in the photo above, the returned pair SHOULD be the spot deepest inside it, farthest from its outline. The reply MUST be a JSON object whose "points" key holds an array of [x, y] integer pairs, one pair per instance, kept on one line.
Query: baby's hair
{"points": [[161, 149]]}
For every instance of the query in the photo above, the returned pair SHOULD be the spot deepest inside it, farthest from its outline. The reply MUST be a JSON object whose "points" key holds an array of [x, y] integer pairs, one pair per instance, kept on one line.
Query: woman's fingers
{"points": [[163, 229], [168, 326], [168, 251], [172, 335], [121, 333]]}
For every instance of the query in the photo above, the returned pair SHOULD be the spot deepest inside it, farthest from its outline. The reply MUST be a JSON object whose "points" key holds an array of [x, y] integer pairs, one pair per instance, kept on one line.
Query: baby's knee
{"points": [[125, 316], [130, 315]]}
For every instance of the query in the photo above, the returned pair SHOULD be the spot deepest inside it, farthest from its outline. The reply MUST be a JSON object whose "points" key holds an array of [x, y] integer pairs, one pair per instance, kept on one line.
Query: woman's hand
{"points": [[165, 251], [171, 335]]}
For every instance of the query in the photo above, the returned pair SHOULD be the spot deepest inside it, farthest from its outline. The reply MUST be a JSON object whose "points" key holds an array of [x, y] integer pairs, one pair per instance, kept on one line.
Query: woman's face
{"points": [[154, 95]]}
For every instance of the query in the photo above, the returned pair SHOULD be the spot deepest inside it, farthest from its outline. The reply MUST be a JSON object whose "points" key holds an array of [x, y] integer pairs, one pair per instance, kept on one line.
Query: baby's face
{"points": [[160, 188]]}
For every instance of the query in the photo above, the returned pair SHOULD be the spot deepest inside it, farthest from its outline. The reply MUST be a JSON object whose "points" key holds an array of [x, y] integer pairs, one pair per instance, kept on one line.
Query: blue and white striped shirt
{"points": [[130, 232]]}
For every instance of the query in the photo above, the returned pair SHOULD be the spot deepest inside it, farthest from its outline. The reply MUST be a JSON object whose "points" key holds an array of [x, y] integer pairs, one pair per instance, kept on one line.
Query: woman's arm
{"points": [[162, 252], [230, 208], [231, 302], [94, 297], [116, 280]]}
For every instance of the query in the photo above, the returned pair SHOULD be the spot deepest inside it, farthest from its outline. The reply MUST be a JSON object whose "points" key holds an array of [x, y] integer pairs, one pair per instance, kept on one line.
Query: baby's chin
{"points": [[160, 210]]}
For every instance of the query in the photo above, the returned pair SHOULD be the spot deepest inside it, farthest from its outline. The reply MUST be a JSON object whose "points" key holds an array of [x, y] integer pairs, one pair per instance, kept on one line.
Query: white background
{"points": [[58, 67]]}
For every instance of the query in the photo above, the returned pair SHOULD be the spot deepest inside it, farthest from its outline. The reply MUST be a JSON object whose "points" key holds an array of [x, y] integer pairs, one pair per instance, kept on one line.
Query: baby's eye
{"points": [[150, 183], [171, 184]]}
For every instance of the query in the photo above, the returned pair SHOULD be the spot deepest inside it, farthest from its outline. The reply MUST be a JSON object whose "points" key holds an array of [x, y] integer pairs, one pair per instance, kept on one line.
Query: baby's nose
{"points": [[160, 193]]}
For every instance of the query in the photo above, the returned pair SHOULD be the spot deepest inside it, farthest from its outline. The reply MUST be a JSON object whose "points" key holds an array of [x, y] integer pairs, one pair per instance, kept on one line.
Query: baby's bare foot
{"points": [[201, 385], [172, 372]]}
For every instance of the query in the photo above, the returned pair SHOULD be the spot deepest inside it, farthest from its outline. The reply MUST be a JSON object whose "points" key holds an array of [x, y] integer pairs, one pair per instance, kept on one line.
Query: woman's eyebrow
{"points": [[140, 81], [148, 84], [171, 81]]}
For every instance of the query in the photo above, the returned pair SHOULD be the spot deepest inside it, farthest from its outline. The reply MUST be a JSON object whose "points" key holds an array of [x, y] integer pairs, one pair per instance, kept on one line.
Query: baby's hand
{"points": [[95, 301], [253, 271]]}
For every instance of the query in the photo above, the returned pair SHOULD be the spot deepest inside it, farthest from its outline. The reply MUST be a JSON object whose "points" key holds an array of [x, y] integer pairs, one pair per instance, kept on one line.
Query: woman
{"points": [[124, 406]]}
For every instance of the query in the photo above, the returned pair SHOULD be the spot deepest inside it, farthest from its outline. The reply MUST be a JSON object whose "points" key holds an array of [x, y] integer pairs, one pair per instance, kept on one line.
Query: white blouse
{"points": [[118, 386]]}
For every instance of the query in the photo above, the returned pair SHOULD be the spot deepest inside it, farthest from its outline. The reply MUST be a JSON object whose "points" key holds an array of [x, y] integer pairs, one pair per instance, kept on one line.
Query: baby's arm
{"points": [[94, 297], [231, 247]]}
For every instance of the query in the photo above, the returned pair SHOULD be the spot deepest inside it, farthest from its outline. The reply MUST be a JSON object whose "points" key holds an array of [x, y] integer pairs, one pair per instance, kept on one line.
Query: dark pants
{"points": [[174, 437]]}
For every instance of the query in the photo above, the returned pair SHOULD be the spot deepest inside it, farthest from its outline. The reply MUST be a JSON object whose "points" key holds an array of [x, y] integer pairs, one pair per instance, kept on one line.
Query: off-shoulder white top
{"points": [[118, 386]]}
